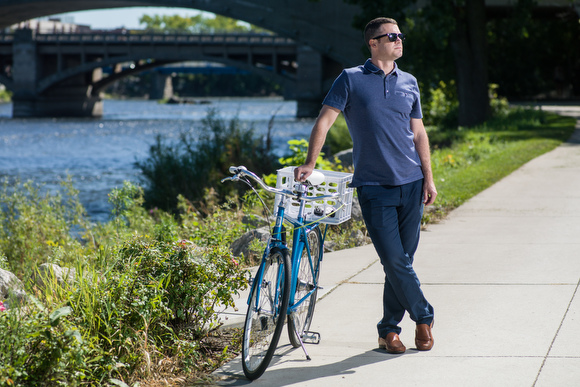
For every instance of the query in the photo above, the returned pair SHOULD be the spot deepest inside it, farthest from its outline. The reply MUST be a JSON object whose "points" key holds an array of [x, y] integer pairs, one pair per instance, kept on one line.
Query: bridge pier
{"points": [[67, 103], [72, 98], [309, 78], [161, 86]]}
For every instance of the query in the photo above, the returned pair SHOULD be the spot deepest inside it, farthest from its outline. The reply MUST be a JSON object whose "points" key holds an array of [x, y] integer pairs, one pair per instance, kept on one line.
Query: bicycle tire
{"points": [[299, 321], [266, 314]]}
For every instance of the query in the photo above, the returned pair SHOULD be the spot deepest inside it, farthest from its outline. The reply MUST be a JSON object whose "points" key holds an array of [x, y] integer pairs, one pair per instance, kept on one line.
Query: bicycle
{"points": [[285, 286]]}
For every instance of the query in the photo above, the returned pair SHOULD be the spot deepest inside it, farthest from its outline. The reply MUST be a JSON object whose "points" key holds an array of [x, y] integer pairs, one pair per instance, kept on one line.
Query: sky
{"points": [[122, 17]]}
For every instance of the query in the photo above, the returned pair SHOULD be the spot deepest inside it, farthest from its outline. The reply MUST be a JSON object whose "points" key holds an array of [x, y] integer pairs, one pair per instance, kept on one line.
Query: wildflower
{"points": [[2, 307]]}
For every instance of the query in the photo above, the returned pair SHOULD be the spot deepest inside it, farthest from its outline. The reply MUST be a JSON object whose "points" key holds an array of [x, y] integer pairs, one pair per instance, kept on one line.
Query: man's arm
{"points": [[323, 123], [422, 145]]}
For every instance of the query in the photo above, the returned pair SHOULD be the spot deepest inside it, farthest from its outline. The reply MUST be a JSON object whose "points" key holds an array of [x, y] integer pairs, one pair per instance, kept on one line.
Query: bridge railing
{"points": [[193, 39]]}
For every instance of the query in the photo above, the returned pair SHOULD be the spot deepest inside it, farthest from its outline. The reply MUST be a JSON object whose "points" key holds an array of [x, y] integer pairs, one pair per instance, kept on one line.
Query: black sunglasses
{"points": [[392, 36]]}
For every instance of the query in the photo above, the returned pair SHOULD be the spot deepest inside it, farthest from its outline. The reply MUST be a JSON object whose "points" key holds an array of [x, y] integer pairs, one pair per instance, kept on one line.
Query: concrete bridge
{"points": [[61, 74], [323, 27]]}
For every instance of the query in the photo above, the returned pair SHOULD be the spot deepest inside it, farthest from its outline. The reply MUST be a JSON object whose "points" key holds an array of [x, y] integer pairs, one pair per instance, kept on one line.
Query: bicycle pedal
{"points": [[311, 337]]}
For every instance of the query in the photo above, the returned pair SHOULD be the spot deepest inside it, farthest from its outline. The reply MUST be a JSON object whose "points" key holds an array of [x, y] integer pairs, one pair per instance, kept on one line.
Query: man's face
{"points": [[383, 48]]}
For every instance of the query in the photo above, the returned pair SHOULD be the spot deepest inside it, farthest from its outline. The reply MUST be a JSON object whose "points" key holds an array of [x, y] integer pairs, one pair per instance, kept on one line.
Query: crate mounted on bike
{"points": [[329, 210]]}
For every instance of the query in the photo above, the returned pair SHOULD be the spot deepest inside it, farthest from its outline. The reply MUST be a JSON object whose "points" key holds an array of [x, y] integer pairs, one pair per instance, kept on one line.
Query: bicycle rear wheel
{"points": [[299, 321], [266, 314]]}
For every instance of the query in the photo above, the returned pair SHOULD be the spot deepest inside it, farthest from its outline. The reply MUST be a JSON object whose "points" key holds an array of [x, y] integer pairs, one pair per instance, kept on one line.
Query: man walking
{"points": [[392, 171]]}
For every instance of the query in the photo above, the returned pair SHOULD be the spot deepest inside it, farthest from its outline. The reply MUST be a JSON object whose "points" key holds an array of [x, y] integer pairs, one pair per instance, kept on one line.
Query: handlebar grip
{"points": [[235, 170]]}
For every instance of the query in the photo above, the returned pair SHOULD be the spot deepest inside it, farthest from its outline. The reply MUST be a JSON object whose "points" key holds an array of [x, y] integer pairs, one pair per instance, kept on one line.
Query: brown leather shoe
{"points": [[424, 337], [392, 343]]}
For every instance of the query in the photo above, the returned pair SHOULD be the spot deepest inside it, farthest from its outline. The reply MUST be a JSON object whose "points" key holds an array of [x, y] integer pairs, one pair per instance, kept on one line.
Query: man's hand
{"points": [[302, 172], [429, 193]]}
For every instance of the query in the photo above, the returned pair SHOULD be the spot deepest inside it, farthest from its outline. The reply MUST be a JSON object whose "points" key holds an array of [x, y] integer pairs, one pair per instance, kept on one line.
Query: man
{"points": [[392, 171]]}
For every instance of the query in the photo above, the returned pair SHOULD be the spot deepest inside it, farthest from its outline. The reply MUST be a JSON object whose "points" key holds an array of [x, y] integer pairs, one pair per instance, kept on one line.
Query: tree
{"points": [[439, 28], [198, 24], [470, 49]]}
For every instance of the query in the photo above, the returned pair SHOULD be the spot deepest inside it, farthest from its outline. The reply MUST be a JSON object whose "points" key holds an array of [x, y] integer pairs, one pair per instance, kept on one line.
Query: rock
{"points": [[356, 212], [242, 245], [9, 283], [11, 289], [345, 157], [254, 220], [48, 271]]}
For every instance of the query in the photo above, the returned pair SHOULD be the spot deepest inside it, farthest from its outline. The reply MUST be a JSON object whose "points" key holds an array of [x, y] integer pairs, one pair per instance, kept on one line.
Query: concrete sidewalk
{"points": [[502, 272]]}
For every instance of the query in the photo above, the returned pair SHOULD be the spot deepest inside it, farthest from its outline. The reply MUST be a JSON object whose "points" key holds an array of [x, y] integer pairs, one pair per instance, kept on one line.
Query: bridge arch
{"points": [[98, 85], [326, 47], [299, 20]]}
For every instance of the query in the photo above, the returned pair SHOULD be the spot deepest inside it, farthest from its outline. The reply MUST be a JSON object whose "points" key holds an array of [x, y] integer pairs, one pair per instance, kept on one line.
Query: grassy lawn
{"points": [[466, 162]]}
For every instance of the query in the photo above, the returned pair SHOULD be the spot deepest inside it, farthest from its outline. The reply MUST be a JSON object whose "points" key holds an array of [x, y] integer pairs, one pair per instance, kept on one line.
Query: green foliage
{"points": [[476, 158], [198, 24], [539, 71], [40, 348], [338, 137], [442, 106], [144, 292], [5, 95], [298, 153], [156, 295], [194, 165], [36, 226]]}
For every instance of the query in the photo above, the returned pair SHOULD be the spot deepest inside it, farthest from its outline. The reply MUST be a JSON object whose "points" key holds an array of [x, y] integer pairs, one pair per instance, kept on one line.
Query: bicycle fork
{"points": [[299, 242]]}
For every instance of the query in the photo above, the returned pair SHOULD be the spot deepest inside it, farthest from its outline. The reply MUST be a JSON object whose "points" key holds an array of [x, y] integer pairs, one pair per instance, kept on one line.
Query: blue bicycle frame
{"points": [[278, 239]]}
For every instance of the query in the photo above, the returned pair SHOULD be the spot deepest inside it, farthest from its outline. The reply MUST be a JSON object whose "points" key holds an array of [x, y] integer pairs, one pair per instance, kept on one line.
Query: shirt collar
{"points": [[371, 68]]}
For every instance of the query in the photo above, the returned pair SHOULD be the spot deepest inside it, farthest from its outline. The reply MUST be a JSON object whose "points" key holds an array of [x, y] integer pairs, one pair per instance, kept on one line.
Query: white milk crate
{"points": [[329, 210]]}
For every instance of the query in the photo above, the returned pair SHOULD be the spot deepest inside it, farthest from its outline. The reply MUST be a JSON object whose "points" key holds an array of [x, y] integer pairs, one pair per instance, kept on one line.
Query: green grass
{"points": [[471, 160]]}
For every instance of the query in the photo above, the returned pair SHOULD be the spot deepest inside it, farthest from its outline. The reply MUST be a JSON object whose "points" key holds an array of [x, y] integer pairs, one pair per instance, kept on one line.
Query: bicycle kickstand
{"points": [[314, 336]]}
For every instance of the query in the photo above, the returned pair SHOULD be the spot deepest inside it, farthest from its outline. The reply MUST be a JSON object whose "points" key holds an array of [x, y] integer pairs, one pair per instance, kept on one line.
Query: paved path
{"points": [[502, 272]]}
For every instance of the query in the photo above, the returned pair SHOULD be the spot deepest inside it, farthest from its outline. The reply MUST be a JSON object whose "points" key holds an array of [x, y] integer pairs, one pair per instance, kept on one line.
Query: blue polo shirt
{"points": [[378, 109]]}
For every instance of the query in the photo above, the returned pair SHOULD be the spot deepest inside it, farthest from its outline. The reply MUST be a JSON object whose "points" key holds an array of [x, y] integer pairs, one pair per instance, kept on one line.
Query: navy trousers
{"points": [[392, 215]]}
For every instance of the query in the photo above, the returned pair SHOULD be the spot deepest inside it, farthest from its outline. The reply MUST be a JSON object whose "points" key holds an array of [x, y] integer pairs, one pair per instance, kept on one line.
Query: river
{"points": [[100, 153]]}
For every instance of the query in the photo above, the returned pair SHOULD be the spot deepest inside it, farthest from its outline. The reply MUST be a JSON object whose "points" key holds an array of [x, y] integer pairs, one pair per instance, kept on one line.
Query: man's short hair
{"points": [[372, 27]]}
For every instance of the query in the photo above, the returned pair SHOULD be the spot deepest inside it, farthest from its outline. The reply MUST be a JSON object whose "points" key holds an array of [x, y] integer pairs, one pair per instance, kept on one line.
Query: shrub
{"points": [[40, 348], [338, 137], [37, 227], [193, 165], [155, 295]]}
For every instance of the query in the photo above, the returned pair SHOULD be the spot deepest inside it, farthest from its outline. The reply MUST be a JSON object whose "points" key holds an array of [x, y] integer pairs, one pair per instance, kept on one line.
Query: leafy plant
{"points": [[37, 225], [193, 165]]}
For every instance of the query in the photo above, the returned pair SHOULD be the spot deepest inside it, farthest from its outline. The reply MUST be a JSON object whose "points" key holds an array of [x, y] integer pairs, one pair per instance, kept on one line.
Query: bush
{"points": [[156, 296], [141, 295], [193, 165], [37, 227], [338, 137], [39, 348]]}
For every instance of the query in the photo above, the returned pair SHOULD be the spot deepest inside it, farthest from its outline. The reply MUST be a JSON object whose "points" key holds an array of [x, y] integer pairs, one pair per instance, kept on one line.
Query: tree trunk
{"points": [[470, 49]]}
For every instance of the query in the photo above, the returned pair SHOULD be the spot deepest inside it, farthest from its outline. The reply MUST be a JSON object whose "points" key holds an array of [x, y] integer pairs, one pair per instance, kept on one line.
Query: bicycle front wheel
{"points": [[299, 321], [266, 314]]}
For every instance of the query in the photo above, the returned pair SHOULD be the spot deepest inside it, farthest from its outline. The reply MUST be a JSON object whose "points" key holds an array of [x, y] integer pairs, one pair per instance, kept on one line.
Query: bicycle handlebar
{"points": [[243, 171]]}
